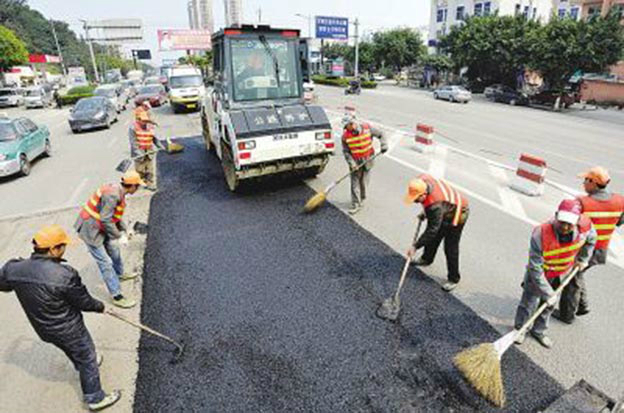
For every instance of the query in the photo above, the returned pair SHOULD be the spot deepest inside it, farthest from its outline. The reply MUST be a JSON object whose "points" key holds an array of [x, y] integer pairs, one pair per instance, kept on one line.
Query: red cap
{"points": [[569, 211]]}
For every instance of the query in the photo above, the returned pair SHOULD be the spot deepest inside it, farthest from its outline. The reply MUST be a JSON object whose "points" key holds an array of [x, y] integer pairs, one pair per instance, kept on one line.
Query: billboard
{"points": [[336, 28], [116, 31], [43, 58], [182, 39]]}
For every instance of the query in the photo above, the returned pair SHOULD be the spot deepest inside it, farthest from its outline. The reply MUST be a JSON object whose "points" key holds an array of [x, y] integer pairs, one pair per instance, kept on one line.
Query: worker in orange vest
{"points": [[100, 225], [446, 211], [357, 147], [606, 211], [143, 145], [556, 247]]}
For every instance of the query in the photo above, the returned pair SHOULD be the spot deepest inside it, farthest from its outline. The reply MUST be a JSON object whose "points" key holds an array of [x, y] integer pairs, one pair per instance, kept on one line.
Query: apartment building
{"points": [[448, 13], [583, 9]]}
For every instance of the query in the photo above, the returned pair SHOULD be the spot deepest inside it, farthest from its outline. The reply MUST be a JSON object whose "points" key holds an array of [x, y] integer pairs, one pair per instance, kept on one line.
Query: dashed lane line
{"points": [[437, 166]]}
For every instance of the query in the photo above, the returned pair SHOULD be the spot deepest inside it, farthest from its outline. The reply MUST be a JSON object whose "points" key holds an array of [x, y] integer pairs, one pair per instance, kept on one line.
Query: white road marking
{"points": [[616, 248], [74, 197], [508, 197], [437, 167]]}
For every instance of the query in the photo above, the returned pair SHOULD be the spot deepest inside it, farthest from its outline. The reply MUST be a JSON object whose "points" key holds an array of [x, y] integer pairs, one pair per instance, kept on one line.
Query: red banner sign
{"points": [[179, 39], [43, 58]]}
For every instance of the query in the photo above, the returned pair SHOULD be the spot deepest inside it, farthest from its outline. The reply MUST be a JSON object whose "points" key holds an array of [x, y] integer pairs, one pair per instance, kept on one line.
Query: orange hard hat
{"points": [[51, 236], [142, 116], [598, 175], [132, 178], [415, 189]]}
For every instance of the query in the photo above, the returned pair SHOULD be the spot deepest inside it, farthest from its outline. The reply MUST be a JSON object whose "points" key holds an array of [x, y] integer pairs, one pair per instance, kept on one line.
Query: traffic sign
{"points": [[336, 28]]}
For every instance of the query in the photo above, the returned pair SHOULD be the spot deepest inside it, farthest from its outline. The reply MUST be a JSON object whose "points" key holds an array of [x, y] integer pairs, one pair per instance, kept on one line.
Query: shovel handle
{"points": [[357, 168], [142, 327], [406, 266]]}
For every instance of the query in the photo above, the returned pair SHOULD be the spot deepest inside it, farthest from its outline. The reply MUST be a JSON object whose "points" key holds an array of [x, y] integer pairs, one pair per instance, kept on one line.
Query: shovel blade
{"points": [[389, 309], [124, 166]]}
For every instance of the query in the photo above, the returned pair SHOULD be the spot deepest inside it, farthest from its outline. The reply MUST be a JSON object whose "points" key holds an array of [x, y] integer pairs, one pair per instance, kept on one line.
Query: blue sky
{"points": [[161, 14]]}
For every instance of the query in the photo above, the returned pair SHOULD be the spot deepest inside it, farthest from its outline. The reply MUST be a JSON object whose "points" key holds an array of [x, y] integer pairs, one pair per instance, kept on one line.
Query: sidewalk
{"points": [[39, 377]]}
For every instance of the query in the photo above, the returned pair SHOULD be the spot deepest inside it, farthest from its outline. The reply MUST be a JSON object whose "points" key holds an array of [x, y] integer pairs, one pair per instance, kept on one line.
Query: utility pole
{"points": [[95, 70], [357, 49], [259, 15], [58, 49]]}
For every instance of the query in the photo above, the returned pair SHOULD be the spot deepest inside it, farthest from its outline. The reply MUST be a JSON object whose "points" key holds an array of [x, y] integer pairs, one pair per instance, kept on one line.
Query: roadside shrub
{"points": [[341, 81], [71, 99], [81, 90]]}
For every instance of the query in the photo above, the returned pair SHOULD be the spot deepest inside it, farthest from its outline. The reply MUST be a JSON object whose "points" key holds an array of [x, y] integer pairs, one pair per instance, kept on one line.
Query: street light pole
{"points": [[357, 49], [95, 70], [58, 48]]}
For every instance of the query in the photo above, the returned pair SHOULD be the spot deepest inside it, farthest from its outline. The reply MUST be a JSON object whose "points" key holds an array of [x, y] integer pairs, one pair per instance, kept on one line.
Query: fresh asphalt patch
{"points": [[276, 310]]}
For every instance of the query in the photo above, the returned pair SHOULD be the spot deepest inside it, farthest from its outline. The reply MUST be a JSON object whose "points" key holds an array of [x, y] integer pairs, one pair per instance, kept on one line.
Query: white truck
{"points": [[255, 117], [186, 88]]}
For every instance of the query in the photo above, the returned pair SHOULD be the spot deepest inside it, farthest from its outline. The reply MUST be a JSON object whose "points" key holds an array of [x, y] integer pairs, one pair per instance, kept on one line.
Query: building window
{"points": [[562, 13], [535, 12], [517, 9], [478, 9], [574, 11], [441, 16], [525, 13], [460, 13], [487, 6]]}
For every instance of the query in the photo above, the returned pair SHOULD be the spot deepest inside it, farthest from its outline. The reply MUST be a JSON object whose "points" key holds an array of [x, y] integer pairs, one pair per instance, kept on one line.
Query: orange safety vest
{"points": [[144, 137], [93, 206], [444, 192], [360, 146], [559, 257], [137, 112], [604, 215]]}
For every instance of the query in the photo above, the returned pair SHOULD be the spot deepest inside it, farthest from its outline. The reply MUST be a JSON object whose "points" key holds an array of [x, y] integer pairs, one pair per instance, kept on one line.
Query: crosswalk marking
{"points": [[508, 198]]}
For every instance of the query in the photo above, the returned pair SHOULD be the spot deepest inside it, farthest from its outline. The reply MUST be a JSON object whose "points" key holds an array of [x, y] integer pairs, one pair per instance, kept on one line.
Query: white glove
{"points": [[552, 300]]}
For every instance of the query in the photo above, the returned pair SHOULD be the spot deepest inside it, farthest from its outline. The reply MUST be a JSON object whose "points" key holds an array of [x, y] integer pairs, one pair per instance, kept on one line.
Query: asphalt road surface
{"points": [[276, 310]]}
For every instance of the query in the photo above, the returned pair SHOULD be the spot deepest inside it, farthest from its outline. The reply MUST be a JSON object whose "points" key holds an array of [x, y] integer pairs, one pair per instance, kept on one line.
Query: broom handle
{"points": [[142, 327], [406, 267], [335, 183], [544, 305]]}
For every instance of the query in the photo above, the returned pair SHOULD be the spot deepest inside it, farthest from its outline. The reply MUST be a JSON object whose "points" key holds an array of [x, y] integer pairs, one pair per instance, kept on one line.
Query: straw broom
{"points": [[319, 199], [481, 364]]}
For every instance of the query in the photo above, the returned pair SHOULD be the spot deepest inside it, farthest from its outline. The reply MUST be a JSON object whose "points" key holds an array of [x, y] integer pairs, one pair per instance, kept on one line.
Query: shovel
{"points": [[171, 148], [391, 306]]}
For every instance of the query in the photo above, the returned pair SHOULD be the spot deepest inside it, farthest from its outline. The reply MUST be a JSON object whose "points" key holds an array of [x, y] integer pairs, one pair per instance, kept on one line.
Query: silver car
{"points": [[113, 93], [453, 94], [37, 98], [11, 97]]}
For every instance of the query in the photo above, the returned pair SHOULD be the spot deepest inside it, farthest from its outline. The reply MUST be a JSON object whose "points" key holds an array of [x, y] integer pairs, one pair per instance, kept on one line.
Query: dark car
{"points": [[93, 112], [505, 94], [549, 98], [156, 95], [489, 91]]}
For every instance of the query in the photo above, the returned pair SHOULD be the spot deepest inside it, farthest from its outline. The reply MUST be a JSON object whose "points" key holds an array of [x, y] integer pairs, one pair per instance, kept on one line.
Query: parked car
{"points": [[505, 94], [113, 94], [453, 93], [10, 96], [21, 142], [93, 112], [549, 98], [156, 95], [152, 80], [491, 90], [37, 97], [378, 77]]}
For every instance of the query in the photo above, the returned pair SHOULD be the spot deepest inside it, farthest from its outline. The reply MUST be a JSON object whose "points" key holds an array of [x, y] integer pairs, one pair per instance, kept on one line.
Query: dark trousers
{"points": [[451, 236], [530, 302], [81, 351], [574, 297]]}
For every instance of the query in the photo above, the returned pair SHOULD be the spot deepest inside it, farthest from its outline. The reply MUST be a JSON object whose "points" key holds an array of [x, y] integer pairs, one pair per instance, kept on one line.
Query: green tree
{"points": [[338, 50], [439, 62], [12, 49], [493, 48], [398, 48]]}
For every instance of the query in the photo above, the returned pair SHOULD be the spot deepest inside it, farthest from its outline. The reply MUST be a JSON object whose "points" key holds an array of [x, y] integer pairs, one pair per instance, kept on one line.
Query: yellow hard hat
{"points": [[132, 178], [597, 174], [142, 116], [51, 236], [415, 189]]}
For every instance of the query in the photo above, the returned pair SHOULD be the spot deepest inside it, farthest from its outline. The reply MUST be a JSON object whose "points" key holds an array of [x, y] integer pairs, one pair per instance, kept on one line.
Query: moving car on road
{"points": [[37, 97], [155, 94], [453, 94], [10, 96], [21, 142], [112, 93], [505, 94], [152, 80], [186, 88], [93, 112]]}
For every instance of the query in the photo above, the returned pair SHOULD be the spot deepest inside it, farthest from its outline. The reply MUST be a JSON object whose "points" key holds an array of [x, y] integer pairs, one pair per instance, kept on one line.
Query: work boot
{"points": [[108, 400], [354, 209], [123, 302], [421, 262], [520, 339], [582, 311], [543, 339], [449, 286], [558, 316], [128, 276]]}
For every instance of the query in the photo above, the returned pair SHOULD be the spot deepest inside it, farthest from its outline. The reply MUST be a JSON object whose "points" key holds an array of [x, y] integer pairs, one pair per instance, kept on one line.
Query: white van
{"points": [[186, 88]]}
